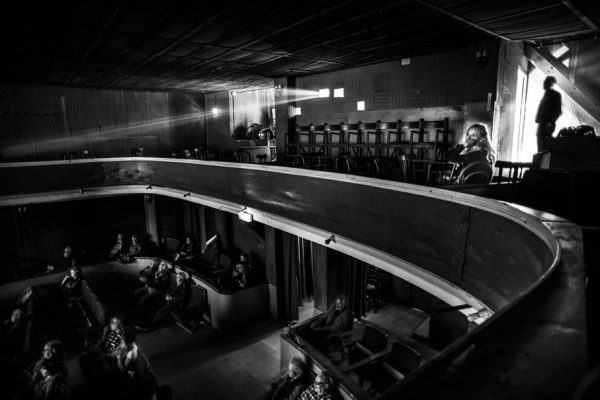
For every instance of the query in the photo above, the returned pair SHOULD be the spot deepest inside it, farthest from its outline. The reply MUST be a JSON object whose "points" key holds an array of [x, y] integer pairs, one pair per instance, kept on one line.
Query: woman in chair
{"points": [[474, 158]]}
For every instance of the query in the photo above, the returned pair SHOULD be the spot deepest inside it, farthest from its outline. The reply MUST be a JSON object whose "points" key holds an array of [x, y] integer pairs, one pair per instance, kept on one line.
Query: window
{"points": [[323, 93], [297, 111], [360, 105], [338, 92]]}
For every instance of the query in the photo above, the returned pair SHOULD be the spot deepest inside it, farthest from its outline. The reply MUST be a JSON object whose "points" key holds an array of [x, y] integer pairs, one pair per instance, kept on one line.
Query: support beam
{"points": [[569, 4], [543, 60]]}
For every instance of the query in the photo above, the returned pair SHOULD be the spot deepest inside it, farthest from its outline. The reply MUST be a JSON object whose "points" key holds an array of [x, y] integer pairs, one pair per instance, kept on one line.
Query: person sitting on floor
{"points": [[96, 359], [67, 260], [329, 326], [241, 277], [127, 352], [28, 299], [135, 249], [118, 248], [71, 283], [52, 385], [187, 251], [292, 384], [321, 389], [173, 300], [12, 332]]}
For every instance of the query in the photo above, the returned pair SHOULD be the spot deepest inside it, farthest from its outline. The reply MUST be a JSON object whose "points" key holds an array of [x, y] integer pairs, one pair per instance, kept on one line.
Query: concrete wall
{"points": [[43, 122]]}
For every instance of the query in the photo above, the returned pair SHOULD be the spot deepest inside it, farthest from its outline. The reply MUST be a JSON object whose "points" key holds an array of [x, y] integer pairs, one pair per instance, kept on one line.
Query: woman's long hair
{"points": [[484, 143]]}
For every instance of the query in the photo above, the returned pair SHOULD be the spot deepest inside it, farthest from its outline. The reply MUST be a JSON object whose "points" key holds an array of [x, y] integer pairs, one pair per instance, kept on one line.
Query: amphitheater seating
{"points": [[93, 314]]}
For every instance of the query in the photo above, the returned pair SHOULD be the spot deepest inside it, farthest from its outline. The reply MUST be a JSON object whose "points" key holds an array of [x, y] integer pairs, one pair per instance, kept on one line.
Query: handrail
{"points": [[462, 248]]}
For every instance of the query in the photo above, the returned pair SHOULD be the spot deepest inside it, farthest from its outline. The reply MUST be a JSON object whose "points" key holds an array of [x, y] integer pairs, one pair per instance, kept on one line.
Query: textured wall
{"points": [[42, 122]]}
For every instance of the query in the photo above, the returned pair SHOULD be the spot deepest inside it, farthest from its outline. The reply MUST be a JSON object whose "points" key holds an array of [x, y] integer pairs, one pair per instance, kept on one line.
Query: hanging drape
{"points": [[290, 275], [352, 281], [305, 272]]}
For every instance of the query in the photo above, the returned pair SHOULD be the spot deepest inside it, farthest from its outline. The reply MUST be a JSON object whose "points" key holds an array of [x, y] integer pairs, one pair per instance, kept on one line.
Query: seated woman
{"points": [[12, 333], [95, 359], [242, 277], [52, 385], [322, 389], [67, 260], [150, 297], [474, 158], [135, 250], [126, 353], [118, 248], [28, 299], [187, 251], [71, 283], [326, 330], [292, 384]]}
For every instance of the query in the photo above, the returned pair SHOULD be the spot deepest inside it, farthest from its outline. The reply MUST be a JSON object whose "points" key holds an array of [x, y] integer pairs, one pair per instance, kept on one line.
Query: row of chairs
{"points": [[92, 312], [374, 139], [376, 361]]}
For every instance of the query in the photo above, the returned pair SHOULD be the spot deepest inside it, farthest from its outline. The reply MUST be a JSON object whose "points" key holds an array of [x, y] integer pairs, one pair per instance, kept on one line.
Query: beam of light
{"points": [[123, 131]]}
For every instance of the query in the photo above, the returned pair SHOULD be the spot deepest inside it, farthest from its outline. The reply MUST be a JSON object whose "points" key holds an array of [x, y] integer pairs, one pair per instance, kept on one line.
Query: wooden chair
{"points": [[515, 171], [440, 173], [304, 138], [335, 139], [320, 139], [373, 148], [416, 139], [355, 146]]}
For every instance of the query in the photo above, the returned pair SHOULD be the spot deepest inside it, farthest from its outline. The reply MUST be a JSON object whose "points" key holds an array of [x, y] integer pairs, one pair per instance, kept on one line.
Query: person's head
{"points": [[16, 315], [549, 82], [163, 266], [323, 383], [135, 239], [244, 258], [30, 291], [116, 324], [74, 272], [475, 133], [188, 240], [240, 268], [180, 277], [128, 338], [120, 237], [67, 252], [295, 368], [341, 302], [52, 349]]}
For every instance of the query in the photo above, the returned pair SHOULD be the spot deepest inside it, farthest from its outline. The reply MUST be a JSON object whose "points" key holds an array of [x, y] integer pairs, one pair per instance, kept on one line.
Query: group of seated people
{"points": [[295, 385], [159, 296], [124, 253]]}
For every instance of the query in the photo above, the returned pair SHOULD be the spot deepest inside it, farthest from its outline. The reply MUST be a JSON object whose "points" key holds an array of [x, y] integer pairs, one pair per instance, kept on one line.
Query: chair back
{"points": [[172, 244], [374, 340], [403, 358]]}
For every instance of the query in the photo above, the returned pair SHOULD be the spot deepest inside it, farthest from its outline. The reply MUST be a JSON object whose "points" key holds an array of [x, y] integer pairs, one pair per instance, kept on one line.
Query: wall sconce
{"points": [[245, 216], [330, 239], [482, 58], [484, 313]]}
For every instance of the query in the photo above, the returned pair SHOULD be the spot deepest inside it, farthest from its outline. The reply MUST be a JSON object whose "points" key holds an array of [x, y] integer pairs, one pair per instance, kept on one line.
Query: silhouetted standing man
{"points": [[548, 112]]}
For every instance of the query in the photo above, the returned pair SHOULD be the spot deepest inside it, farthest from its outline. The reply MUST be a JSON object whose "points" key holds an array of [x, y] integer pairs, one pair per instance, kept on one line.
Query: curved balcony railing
{"points": [[461, 248]]}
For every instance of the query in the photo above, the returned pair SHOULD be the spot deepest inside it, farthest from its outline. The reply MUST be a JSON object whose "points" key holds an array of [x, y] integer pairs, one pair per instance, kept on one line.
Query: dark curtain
{"points": [[290, 274], [352, 282], [298, 274], [305, 272]]}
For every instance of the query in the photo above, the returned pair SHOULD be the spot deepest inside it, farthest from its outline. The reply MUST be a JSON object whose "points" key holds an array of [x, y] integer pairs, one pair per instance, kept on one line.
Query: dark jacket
{"points": [[550, 107], [288, 389], [161, 281], [335, 322], [180, 293]]}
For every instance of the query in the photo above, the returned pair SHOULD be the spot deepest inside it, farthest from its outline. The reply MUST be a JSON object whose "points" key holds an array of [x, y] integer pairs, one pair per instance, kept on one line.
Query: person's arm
{"points": [[296, 392]]}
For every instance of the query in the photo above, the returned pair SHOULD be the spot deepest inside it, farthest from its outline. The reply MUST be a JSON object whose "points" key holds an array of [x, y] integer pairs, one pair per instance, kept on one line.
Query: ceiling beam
{"points": [[542, 59], [463, 20], [96, 42], [580, 14], [175, 43]]}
